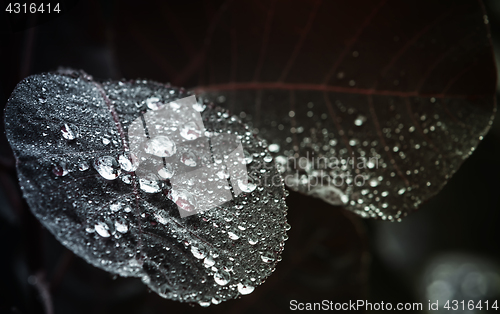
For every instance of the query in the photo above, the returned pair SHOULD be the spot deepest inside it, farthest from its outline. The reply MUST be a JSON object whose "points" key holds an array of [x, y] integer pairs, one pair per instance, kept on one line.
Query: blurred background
{"points": [[449, 249]]}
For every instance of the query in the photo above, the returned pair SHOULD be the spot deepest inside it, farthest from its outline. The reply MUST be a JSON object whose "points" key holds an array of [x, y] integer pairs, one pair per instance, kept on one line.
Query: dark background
{"points": [[450, 244]]}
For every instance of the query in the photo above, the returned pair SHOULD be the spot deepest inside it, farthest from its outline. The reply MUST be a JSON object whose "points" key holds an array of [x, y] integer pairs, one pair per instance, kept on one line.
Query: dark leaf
{"points": [[403, 89], [73, 146]]}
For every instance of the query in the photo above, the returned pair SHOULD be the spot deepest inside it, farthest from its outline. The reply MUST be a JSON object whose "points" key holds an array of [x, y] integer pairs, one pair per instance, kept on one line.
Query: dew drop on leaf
{"points": [[107, 167], [60, 169], [245, 288], [190, 131], [166, 172], [128, 163], [150, 183], [160, 146], [102, 229], [189, 159], [222, 277], [198, 253], [82, 166], [69, 131], [267, 257]]}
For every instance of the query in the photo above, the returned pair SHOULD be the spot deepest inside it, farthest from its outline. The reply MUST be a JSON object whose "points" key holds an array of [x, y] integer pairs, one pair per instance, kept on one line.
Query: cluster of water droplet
{"points": [[379, 156], [115, 206]]}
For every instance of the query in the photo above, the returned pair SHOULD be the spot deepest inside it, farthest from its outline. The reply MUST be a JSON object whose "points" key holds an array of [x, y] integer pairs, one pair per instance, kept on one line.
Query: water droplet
{"points": [[402, 191], [208, 262], [267, 257], [233, 235], [274, 148], [107, 167], [245, 287], [199, 107], [69, 131], [248, 157], [246, 186], [190, 131], [150, 183], [268, 158], [127, 179], [353, 142], [216, 301], [184, 200], [115, 207], [189, 159], [198, 253], [83, 166], [60, 169], [128, 163], [102, 229], [252, 240], [166, 172], [222, 277], [160, 146], [105, 141], [360, 120], [373, 182], [121, 225], [154, 103]]}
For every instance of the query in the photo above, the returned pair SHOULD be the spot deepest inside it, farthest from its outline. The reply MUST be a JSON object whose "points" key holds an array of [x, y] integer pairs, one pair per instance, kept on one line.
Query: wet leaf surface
{"points": [[70, 135], [407, 97]]}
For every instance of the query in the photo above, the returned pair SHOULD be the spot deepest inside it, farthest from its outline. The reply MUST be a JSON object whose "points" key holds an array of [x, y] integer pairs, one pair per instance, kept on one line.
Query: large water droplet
{"points": [[246, 186], [128, 163], [233, 235], [190, 131], [69, 131], [204, 303], [150, 183], [248, 157], [166, 172], [199, 107], [121, 225], [252, 240], [154, 103], [184, 200], [274, 148], [60, 169], [198, 253], [245, 287], [189, 159], [373, 182], [160, 146], [267, 257], [107, 167], [102, 229], [208, 262], [222, 277]]}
